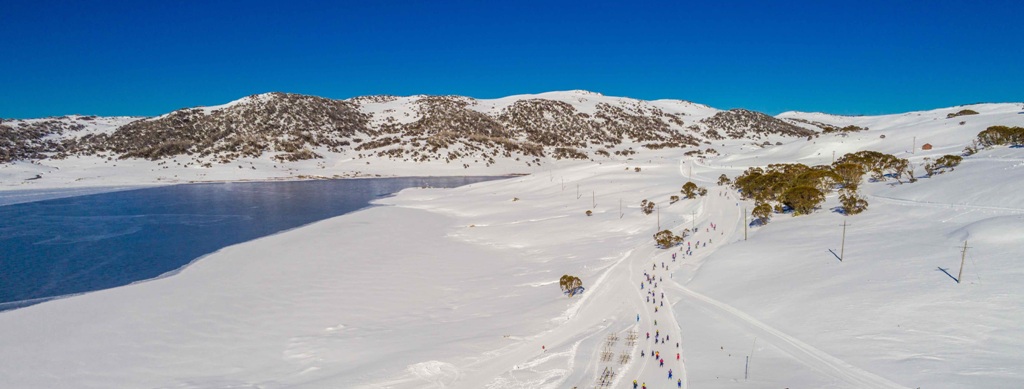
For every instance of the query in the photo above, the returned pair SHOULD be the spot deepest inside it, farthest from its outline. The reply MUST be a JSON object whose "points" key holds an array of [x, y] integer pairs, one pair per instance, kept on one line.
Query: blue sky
{"points": [[852, 57]]}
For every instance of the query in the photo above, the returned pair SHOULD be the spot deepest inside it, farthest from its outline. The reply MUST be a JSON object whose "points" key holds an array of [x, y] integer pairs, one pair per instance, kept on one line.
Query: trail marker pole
{"points": [[833, 156], [744, 224], [963, 256], [842, 246], [746, 371], [593, 199]]}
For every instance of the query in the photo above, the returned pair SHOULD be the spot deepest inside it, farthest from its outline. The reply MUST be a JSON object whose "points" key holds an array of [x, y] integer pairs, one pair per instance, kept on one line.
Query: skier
{"points": [[679, 383], [634, 384], [638, 316], [669, 373], [662, 362], [644, 386], [641, 356], [648, 335], [677, 355]]}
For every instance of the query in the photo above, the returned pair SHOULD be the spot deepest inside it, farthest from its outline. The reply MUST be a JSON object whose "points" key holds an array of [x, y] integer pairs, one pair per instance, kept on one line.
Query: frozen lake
{"points": [[72, 245]]}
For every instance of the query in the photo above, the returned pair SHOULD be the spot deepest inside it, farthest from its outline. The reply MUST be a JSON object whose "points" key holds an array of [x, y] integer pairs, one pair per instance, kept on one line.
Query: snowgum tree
{"points": [[666, 238], [723, 180], [568, 284], [940, 165], [647, 207], [691, 190], [762, 212], [849, 173], [802, 199], [852, 202]]}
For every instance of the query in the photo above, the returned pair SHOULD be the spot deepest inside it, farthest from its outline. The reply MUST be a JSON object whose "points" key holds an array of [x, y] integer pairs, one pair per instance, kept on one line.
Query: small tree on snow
{"points": [[852, 202], [690, 190], [647, 207], [666, 238], [568, 284], [762, 212]]}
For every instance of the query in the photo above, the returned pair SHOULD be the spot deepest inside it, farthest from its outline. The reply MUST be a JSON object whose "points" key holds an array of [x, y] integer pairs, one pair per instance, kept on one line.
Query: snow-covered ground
{"points": [[458, 288]]}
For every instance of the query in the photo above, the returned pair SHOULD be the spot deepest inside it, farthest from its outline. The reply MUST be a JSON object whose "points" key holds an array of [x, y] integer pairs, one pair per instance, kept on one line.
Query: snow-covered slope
{"points": [[288, 136], [467, 296]]}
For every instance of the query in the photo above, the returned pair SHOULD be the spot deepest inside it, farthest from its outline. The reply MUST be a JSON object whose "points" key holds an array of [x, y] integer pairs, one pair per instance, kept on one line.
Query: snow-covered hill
{"points": [[458, 288], [288, 136]]}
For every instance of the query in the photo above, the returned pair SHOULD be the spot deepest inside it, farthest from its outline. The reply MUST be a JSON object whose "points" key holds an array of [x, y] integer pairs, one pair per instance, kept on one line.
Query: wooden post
{"points": [[842, 247], [963, 256]]}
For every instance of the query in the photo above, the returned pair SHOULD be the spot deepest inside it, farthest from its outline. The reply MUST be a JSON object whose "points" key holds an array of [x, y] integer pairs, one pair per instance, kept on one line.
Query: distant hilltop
{"points": [[284, 127]]}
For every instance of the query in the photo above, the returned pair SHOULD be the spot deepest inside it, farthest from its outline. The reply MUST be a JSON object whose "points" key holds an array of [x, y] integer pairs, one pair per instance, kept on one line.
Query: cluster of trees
{"points": [[939, 165], [843, 130], [1001, 135], [691, 190], [802, 188], [666, 238], [881, 165], [569, 284]]}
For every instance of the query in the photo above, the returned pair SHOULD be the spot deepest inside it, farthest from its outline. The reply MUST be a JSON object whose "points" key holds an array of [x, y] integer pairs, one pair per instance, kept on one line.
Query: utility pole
{"points": [[842, 247], [963, 256]]}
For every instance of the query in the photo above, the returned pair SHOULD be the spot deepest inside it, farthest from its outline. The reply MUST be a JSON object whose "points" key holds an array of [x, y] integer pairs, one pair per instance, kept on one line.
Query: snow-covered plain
{"points": [[458, 288]]}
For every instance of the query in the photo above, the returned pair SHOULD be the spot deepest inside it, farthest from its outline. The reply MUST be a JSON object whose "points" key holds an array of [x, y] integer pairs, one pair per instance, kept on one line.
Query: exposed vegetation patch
{"points": [[963, 112]]}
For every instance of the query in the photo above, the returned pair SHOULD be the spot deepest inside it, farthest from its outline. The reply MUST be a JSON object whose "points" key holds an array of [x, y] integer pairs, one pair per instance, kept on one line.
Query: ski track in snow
{"points": [[920, 203], [803, 352]]}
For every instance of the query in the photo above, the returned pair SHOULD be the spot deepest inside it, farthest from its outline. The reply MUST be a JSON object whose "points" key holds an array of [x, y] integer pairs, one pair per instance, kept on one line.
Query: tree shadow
{"points": [[950, 275], [836, 255]]}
